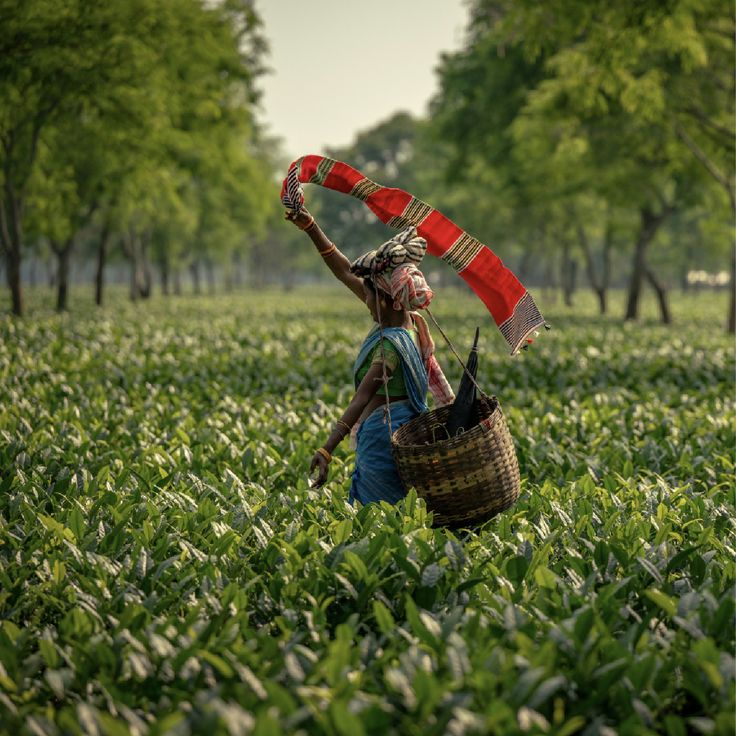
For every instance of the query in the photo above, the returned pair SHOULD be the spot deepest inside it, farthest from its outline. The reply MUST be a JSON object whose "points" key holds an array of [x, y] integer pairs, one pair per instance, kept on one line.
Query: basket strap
{"points": [[385, 378], [452, 347], [387, 410]]}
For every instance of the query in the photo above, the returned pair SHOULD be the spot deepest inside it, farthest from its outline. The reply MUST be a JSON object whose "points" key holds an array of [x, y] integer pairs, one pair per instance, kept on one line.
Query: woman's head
{"points": [[377, 300], [406, 286], [392, 269]]}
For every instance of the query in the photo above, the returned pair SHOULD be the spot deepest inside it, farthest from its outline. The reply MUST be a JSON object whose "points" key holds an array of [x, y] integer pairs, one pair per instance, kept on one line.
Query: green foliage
{"points": [[135, 118], [165, 568], [559, 111]]}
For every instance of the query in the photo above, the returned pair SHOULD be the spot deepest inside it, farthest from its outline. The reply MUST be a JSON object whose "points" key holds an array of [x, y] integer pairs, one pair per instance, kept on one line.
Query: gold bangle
{"points": [[308, 225], [326, 455], [344, 424], [328, 251]]}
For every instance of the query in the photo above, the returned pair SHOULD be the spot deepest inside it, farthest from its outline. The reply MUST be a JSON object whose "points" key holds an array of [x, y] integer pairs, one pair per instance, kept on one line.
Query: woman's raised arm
{"points": [[335, 260]]}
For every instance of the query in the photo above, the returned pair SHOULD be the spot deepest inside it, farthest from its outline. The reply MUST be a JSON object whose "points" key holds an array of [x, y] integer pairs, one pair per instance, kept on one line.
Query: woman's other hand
{"points": [[319, 463], [301, 219]]}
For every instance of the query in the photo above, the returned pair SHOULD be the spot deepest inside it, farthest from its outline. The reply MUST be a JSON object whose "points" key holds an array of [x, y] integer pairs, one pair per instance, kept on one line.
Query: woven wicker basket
{"points": [[465, 480]]}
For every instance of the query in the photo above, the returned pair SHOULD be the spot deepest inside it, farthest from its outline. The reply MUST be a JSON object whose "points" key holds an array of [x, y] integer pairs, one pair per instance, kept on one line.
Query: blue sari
{"points": [[375, 477]]}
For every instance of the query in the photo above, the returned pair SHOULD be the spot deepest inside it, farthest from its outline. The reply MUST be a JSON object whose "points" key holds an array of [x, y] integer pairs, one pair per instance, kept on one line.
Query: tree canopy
{"points": [[136, 116], [584, 110], [574, 138]]}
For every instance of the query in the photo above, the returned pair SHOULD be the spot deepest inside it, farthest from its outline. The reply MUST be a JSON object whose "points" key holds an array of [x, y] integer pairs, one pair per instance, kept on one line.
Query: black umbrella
{"points": [[464, 412]]}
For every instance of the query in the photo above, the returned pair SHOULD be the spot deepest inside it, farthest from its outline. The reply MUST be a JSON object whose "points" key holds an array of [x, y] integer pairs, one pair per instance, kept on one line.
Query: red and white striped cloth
{"points": [[510, 304], [439, 386]]}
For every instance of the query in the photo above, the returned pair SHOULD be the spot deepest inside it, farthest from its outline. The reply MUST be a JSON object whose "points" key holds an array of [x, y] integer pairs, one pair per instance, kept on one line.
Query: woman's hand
{"points": [[301, 219], [319, 462]]}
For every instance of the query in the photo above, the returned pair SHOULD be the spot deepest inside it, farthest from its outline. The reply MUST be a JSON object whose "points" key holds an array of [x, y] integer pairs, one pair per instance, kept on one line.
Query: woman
{"points": [[402, 366]]}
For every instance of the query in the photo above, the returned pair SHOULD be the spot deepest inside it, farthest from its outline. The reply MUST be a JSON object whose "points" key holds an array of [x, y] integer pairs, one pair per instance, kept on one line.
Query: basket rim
{"points": [[483, 427]]}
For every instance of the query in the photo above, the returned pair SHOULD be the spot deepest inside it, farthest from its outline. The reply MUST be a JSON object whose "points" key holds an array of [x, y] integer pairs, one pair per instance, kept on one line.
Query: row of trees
{"points": [[610, 112], [130, 122], [579, 137], [581, 132]]}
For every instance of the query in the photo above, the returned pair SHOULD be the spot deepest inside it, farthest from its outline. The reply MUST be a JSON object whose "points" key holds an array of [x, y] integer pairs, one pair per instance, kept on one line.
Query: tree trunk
{"points": [[567, 274], [649, 224], [130, 244], [51, 272], [229, 275], [194, 268], [599, 286], [636, 278], [606, 277], [732, 300], [12, 268], [100, 270], [177, 282], [287, 280], [11, 239], [209, 270], [146, 282], [602, 300], [525, 263], [163, 266], [134, 279], [63, 255], [549, 287], [237, 274], [133, 250], [255, 265], [661, 292], [726, 181]]}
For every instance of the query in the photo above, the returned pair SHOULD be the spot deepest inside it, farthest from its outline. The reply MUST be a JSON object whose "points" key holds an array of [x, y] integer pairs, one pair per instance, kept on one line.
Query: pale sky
{"points": [[341, 66]]}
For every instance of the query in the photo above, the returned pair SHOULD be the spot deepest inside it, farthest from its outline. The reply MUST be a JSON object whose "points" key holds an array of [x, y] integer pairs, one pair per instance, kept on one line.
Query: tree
{"points": [[54, 58], [483, 88], [622, 77], [100, 102], [215, 148], [702, 102], [582, 99]]}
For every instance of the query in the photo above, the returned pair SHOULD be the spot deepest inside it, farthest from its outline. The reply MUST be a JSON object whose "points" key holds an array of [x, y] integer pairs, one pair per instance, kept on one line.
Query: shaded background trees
{"points": [[582, 102], [120, 116], [585, 142]]}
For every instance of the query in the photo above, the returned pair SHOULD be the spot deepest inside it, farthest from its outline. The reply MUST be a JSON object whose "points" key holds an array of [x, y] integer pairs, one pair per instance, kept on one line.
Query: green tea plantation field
{"points": [[166, 569]]}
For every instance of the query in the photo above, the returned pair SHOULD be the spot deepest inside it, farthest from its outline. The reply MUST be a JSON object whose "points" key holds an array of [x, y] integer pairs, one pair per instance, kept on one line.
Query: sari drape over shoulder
{"points": [[375, 477], [415, 374]]}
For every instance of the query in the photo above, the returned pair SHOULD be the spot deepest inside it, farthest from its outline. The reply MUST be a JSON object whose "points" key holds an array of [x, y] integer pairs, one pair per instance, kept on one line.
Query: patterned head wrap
{"points": [[393, 268]]}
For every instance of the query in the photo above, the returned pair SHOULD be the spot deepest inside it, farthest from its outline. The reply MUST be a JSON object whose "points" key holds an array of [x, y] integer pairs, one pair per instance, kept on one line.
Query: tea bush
{"points": [[165, 568]]}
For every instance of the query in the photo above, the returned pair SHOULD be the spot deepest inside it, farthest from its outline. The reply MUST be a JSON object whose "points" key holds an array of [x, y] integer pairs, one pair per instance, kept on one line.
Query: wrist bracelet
{"points": [[328, 251], [326, 455], [344, 424], [309, 225]]}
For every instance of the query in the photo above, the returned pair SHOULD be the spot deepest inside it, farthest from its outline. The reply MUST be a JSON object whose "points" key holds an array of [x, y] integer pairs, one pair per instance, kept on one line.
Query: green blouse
{"points": [[396, 385]]}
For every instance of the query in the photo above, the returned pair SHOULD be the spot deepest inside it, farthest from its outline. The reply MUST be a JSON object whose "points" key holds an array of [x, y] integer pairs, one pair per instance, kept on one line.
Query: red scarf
{"points": [[510, 304]]}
